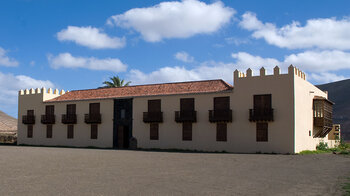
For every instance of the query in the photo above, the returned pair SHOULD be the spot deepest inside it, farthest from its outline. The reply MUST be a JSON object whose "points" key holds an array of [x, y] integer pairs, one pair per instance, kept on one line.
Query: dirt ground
{"points": [[69, 171]]}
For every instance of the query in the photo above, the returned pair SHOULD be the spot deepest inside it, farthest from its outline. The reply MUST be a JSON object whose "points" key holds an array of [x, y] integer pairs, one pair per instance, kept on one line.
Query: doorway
{"points": [[122, 123]]}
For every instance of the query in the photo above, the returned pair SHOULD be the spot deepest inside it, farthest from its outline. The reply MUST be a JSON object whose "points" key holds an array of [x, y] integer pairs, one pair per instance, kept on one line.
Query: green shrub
{"points": [[322, 146]]}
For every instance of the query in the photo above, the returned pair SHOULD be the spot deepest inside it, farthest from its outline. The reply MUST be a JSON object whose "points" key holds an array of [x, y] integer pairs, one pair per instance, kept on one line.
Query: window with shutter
{"points": [[94, 130], [261, 132], [154, 129], [187, 131], [221, 132], [48, 131], [29, 131], [70, 131]]}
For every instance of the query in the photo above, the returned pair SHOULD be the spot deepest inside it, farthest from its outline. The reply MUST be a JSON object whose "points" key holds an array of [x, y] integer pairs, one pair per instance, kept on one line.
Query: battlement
{"points": [[38, 91], [292, 70]]}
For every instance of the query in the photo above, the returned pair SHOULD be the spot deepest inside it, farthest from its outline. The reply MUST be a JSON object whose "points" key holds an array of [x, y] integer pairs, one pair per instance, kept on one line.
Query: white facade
{"points": [[290, 131]]}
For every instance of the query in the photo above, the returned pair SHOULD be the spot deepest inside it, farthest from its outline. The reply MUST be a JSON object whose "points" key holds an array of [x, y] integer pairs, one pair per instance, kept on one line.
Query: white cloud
{"points": [[207, 70], [174, 19], [321, 61], [324, 33], [90, 37], [68, 61], [5, 60], [319, 65], [10, 85], [245, 60], [324, 77], [184, 57]]}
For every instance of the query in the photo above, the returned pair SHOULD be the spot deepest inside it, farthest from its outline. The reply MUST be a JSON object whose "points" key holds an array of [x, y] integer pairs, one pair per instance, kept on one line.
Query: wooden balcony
{"points": [[69, 118], [152, 117], [220, 115], [93, 118], [48, 119], [323, 122], [185, 116], [260, 115], [28, 119]]}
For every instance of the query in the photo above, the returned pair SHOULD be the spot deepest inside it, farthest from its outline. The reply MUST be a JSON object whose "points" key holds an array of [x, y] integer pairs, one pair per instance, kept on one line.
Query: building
{"points": [[279, 113]]}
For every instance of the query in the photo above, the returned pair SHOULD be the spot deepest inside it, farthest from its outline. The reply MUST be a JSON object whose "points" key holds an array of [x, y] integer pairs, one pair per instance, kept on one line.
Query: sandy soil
{"points": [[66, 171]]}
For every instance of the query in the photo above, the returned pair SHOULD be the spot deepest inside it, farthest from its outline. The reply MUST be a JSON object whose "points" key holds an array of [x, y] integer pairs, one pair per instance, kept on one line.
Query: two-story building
{"points": [[278, 113]]}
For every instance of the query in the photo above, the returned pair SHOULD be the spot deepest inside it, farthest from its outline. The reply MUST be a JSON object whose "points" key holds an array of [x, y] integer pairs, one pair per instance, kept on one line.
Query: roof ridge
{"points": [[194, 81]]}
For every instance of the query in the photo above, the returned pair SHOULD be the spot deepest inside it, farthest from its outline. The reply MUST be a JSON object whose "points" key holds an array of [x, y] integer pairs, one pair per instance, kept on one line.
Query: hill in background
{"points": [[339, 93], [8, 124]]}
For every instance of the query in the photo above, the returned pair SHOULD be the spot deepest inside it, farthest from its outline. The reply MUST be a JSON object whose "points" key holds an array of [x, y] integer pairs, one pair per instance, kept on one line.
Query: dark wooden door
{"points": [[120, 136], [94, 108], [71, 109], [50, 110], [187, 104], [154, 105], [122, 123], [262, 101], [221, 103]]}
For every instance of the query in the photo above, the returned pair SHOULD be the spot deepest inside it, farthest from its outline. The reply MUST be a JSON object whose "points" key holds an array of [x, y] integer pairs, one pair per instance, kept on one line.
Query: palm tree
{"points": [[115, 82]]}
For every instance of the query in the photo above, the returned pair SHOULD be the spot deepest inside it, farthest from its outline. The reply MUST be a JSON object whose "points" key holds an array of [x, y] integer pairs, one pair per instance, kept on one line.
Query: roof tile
{"points": [[207, 86]]}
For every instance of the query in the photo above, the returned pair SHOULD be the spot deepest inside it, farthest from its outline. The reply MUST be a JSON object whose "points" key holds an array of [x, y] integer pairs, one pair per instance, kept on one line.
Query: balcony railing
{"points": [[92, 118], [185, 116], [261, 115], [28, 119], [48, 119], [150, 117], [220, 115], [69, 118]]}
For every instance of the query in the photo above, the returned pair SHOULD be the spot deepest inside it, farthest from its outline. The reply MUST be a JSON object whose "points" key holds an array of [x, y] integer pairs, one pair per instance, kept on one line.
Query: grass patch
{"points": [[342, 148]]}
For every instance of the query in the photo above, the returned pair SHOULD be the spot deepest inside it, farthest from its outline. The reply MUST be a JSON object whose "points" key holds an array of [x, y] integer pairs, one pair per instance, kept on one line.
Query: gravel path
{"points": [[65, 171]]}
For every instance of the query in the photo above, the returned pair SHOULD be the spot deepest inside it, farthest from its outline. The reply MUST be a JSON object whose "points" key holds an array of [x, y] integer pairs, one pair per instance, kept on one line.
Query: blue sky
{"points": [[79, 44]]}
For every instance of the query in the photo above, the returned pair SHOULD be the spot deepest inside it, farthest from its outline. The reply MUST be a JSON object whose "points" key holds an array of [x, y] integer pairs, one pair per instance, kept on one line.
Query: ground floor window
{"points": [[154, 130], [48, 131], [70, 131], [187, 131], [261, 132], [94, 130], [30, 131], [221, 132]]}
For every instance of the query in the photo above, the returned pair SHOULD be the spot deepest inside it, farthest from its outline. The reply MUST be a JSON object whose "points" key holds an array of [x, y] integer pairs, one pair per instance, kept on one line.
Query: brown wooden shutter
{"points": [[30, 131], [154, 105], [221, 132], [71, 109], [94, 108], [154, 130], [48, 131], [50, 110], [221, 103], [30, 112], [187, 104], [70, 131], [187, 131], [262, 101], [261, 132], [94, 130]]}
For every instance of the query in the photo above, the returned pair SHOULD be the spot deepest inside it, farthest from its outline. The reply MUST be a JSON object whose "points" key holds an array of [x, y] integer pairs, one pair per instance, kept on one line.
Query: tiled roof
{"points": [[207, 86]]}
